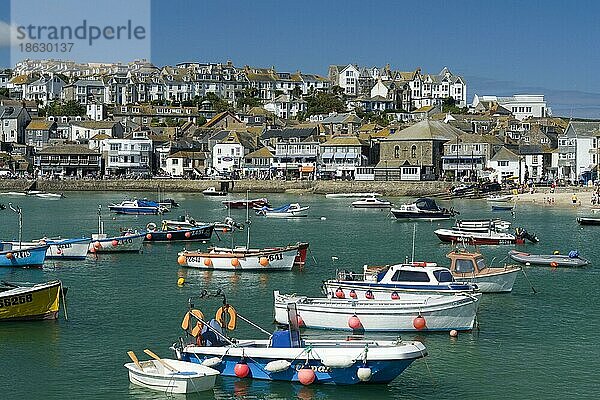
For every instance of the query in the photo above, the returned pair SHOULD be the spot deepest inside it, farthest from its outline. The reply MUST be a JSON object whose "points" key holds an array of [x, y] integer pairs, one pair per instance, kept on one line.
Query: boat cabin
{"points": [[417, 273], [466, 263]]}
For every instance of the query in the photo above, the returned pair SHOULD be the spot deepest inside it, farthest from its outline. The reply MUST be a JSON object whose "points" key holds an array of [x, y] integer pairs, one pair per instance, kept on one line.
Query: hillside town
{"points": [[62, 119]]}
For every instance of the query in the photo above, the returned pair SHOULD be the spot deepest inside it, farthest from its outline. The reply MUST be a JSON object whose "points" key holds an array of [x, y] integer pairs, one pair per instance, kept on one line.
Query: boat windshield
{"points": [[410, 276], [480, 264], [443, 275], [464, 266]]}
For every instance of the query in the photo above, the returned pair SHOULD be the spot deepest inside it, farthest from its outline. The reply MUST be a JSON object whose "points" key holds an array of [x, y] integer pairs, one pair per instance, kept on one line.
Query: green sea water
{"points": [[528, 345]]}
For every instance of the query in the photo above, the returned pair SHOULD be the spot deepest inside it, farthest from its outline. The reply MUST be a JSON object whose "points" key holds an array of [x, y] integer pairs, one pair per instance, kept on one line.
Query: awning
{"points": [[341, 156], [307, 169], [327, 155]]}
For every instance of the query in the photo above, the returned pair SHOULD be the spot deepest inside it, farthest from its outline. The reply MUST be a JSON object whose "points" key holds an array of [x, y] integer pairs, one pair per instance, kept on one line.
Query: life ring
{"points": [[151, 226], [185, 324], [232, 316]]}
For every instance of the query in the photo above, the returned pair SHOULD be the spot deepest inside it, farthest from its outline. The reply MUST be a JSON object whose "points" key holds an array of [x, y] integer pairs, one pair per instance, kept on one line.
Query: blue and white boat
{"points": [[286, 356], [13, 257], [138, 207], [293, 210], [393, 281], [128, 241], [57, 248]]}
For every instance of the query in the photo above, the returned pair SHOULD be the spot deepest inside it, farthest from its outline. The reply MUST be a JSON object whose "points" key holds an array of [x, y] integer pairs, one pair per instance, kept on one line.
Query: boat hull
{"points": [[243, 204], [134, 210], [180, 235], [385, 291], [588, 221], [387, 360], [548, 260], [231, 260], [474, 238], [117, 244], [31, 303], [31, 257], [497, 282], [383, 316], [191, 377], [420, 216]]}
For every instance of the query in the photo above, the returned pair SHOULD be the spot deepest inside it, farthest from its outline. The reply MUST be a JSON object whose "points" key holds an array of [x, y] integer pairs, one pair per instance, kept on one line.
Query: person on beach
{"points": [[574, 199]]}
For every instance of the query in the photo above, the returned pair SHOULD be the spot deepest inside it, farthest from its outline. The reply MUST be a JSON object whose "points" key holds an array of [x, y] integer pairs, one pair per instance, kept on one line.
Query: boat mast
{"points": [[413, 243], [247, 221], [18, 211], [100, 227]]}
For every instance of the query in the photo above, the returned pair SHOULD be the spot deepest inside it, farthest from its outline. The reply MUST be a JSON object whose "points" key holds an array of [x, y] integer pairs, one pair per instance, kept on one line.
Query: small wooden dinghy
{"points": [[170, 376], [552, 260]]}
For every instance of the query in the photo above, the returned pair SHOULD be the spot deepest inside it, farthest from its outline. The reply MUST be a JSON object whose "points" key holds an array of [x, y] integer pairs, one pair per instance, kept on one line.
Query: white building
{"points": [[228, 154], [578, 150], [285, 106], [83, 131], [505, 164], [520, 105], [345, 77], [129, 155]]}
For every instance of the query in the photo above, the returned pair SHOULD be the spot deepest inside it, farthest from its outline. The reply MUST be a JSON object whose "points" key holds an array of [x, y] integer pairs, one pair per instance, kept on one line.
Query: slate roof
{"points": [[40, 124], [287, 133], [427, 130], [68, 149], [505, 154], [263, 152]]}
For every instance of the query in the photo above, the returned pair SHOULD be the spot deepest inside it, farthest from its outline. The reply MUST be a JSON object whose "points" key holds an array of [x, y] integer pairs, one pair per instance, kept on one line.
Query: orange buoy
{"points": [[369, 295], [115, 243], [235, 262], [149, 236], [339, 293], [92, 249], [181, 260], [98, 245], [169, 236], [207, 262], [419, 323], [395, 296], [241, 370], [354, 322], [353, 294], [306, 376], [9, 255], [224, 230], [188, 235], [554, 264], [264, 261]]}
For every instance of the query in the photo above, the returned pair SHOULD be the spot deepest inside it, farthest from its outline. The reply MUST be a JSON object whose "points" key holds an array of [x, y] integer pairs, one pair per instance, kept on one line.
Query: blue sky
{"points": [[502, 48]]}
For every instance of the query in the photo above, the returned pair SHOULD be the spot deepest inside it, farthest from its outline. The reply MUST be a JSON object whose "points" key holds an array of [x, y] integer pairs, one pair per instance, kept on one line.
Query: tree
{"points": [[70, 107], [248, 98], [218, 104], [4, 92], [324, 103], [337, 90], [297, 92]]}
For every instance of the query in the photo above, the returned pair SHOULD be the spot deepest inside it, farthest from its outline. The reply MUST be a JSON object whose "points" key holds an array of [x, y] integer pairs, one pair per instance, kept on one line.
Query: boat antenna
{"points": [[100, 230], [413, 242], [20, 212]]}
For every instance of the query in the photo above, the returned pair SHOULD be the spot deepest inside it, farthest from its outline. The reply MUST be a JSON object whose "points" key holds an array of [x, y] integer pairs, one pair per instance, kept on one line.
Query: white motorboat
{"points": [[212, 191], [395, 281], [482, 225], [500, 198], [371, 202], [351, 195], [293, 210], [414, 313], [138, 207], [172, 376], [422, 209], [128, 241], [70, 249], [471, 267], [454, 235]]}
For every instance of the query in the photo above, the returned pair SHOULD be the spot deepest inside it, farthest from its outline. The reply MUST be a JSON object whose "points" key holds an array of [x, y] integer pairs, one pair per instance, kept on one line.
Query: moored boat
{"points": [[293, 210], [172, 376], [471, 267], [550, 260], [128, 241], [411, 313], [212, 191], [371, 202], [196, 233], [351, 195], [484, 237], [588, 220], [137, 207], [498, 207], [243, 203], [393, 281], [499, 198], [481, 225], [422, 209], [58, 248], [36, 302], [14, 257], [286, 356]]}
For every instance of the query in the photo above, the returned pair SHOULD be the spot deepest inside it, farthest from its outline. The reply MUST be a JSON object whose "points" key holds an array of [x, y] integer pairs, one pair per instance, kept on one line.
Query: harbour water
{"points": [[528, 345]]}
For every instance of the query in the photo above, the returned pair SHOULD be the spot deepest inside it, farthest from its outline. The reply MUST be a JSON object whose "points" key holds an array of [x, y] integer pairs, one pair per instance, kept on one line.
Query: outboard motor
{"points": [[522, 234]]}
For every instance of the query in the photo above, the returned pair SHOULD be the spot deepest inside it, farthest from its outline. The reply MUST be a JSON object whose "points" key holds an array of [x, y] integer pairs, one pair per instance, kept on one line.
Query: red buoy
{"points": [[301, 323], [149, 236], [369, 295], [241, 370], [354, 322], [115, 243], [395, 296], [169, 236], [353, 294], [98, 245], [419, 323], [340, 293], [554, 264], [188, 235], [306, 376]]}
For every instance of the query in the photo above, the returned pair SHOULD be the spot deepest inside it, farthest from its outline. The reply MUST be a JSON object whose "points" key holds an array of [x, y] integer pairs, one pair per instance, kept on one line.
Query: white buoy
{"points": [[323, 218], [453, 333], [277, 366], [211, 362], [364, 374]]}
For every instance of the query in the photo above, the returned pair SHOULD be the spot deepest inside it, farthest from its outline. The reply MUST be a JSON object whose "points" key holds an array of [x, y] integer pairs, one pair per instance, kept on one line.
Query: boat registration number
{"points": [[194, 259], [16, 300], [64, 246], [125, 241], [274, 257], [316, 368], [21, 254]]}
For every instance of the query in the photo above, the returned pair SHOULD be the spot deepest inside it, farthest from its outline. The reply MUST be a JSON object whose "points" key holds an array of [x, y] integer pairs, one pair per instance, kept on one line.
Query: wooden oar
{"points": [[160, 360], [135, 360]]}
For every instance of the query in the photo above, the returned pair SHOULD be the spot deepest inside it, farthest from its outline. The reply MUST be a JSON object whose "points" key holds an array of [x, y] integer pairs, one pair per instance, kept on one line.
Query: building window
{"points": [[413, 151], [175, 161], [396, 151], [503, 163]]}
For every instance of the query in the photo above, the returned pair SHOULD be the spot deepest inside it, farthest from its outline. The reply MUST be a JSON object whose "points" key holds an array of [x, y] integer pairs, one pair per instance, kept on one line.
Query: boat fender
{"points": [[337, 361], [232, 316], [211, 362], [364, 374], [277, 366]]}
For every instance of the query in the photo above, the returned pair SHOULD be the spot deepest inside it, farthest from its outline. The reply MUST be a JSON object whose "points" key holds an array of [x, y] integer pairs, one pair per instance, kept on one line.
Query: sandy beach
{"points": [[562, 197]]}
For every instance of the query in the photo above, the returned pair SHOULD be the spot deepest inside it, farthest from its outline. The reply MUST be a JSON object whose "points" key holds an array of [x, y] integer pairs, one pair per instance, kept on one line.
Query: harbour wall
{"points": [[238, 186]]}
